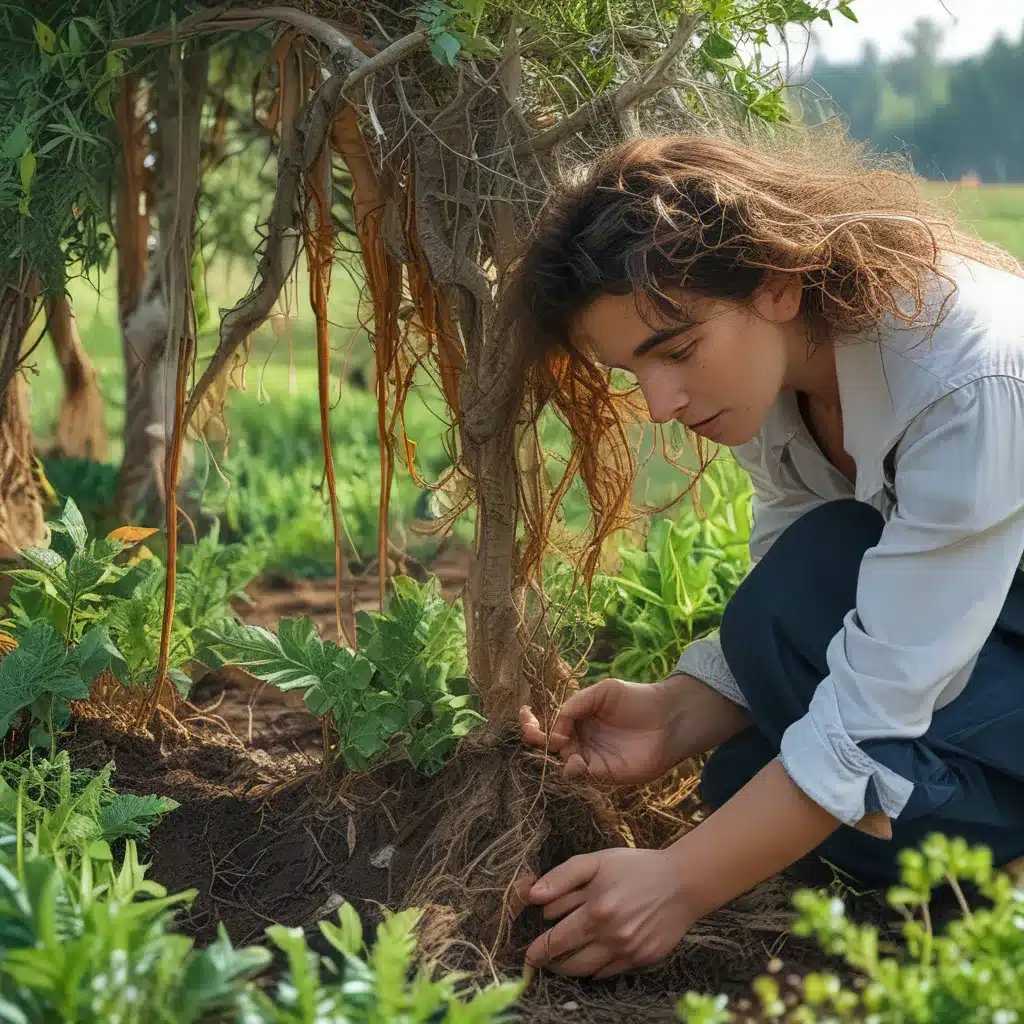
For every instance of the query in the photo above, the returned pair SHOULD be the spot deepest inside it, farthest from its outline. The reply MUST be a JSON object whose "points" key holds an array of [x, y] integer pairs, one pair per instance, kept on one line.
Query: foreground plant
{"points": [[972, 972], [357, 985], [404, 684]]}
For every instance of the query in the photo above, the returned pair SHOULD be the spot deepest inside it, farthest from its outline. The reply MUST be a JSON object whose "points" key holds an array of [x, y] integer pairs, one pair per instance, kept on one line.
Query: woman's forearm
{"points": [[767, 826], [700, 717]]}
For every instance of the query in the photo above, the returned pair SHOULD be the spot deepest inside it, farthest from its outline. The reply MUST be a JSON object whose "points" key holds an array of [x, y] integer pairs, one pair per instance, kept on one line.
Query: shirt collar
{"points": [[870, 420]]}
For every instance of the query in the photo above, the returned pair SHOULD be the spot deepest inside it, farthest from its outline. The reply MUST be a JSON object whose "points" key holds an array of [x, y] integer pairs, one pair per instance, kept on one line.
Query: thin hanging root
{"points": [[320, 256], [132, 221], [384, 277]]}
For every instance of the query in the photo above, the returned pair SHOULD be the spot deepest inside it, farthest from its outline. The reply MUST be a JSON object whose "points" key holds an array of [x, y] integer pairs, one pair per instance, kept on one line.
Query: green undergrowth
{"points": [[87, 938]]}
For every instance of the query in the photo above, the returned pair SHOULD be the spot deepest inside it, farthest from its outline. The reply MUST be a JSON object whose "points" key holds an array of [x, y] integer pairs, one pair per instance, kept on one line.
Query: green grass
{"points": [[996, 212]]}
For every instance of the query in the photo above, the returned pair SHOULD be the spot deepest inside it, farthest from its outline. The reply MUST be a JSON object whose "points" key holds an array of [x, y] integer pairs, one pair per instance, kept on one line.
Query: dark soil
{"points": [[264, 837]]}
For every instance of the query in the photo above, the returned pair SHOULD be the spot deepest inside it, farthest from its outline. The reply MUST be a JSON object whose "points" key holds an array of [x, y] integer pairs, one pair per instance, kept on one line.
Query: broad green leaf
{"points": [[445, 48], [45, 37], [16, 143], [131, 816], [292, 659], [40, 665], [718, 47], [39, 737], [846, 12], [97, 654]]}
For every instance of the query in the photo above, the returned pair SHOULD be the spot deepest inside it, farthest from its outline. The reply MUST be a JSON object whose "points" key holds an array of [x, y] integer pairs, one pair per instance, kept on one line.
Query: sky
{"points": [[969, 26]]}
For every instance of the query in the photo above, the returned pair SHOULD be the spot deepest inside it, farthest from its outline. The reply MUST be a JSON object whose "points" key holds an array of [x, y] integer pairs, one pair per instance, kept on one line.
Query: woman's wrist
{"points": [[699, 718]]}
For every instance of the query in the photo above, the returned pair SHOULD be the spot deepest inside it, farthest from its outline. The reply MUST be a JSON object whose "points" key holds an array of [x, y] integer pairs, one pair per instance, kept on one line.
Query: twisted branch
{"points": [[624, 97]]}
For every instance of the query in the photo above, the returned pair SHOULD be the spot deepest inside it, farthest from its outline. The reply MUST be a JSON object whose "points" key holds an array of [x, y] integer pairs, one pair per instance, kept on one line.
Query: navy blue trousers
{"points": [[967, 769]]}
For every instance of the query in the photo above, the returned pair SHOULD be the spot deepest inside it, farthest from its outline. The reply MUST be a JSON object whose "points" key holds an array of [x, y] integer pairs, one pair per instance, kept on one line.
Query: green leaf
{"points": [[445, 47], [293, 659], [131, 816], [45, 37], [39, 737], [846, 12], [718, 47], [72, 521], [27, 169], [16, 143], [97, 654], [347, 935], [182, 682], [39, 665]]}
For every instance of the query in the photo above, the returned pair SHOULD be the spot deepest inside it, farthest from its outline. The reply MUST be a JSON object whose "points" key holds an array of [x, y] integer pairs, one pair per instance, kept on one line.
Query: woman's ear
{"points": [[778, 296]]}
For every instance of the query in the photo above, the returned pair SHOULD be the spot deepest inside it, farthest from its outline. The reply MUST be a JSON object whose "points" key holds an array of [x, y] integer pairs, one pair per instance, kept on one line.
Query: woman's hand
{"points": [[621, 909], [632, 733], [614, 731]]}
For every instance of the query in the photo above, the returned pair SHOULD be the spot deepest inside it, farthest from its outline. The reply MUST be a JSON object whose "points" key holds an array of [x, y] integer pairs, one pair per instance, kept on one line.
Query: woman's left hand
{"points": [[620, 909]]}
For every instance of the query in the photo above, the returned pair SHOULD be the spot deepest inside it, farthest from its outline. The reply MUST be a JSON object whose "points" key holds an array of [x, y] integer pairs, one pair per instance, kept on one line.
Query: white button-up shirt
{"points": [[936, 428]]}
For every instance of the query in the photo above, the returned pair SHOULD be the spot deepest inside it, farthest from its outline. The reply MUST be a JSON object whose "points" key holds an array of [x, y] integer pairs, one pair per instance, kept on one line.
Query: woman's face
{"points": [[717, 367]]}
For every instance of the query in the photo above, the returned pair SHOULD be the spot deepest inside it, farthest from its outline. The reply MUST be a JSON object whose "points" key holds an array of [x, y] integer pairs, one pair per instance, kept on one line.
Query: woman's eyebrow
{"points": [[658, 337]]}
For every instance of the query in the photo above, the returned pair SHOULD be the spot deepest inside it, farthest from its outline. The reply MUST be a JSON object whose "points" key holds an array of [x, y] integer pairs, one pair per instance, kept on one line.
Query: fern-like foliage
{"points": [[405, 684]]}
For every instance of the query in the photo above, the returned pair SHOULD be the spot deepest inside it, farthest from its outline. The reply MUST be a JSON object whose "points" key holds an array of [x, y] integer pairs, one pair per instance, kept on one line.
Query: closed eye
{"points": [[682, 353]]}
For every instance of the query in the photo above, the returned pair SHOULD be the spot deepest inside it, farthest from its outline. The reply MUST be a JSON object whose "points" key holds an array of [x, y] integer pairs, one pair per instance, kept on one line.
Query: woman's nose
{"points": [[664, 403]]}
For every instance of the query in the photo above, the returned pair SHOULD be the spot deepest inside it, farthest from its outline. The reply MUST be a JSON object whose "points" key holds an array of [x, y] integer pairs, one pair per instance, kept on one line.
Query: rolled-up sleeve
{"points": [[774, 508], [928, 596]]}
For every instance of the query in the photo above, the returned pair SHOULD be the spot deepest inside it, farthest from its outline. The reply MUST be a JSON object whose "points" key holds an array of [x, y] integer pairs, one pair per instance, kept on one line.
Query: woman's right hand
{"points": [[614, 731], [632, 733]]}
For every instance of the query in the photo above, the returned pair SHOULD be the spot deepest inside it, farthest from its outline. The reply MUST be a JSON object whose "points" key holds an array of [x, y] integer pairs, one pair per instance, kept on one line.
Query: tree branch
{"points": [[229, 19], [625, 96]]}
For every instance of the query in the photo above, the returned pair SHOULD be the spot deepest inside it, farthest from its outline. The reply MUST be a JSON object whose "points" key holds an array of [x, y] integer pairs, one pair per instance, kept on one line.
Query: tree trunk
{"points": [[21, 508], [150, 330], [133, 225], [81, 429]]}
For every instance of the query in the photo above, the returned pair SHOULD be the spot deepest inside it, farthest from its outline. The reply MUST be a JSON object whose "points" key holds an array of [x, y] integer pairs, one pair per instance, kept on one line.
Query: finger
{"points": [[593, 957], [565, 904], [570, 934], [583, 704], [519, 893], [619, 966], [571, 874], [575, 766], [534, 734]]}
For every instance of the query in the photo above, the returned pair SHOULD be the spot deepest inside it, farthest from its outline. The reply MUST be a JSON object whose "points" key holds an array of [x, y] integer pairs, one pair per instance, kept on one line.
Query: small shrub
{"points": [[405, 683], [971, 972]]}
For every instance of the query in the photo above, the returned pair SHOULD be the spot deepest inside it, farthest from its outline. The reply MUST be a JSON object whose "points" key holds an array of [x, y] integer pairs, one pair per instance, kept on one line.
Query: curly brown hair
{"points": [[713, 216]]}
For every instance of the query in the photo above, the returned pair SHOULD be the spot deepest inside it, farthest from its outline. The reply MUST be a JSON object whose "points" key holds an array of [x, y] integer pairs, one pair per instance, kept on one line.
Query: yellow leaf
{"points": [[7, 642], [131, 534], [45, 37]]}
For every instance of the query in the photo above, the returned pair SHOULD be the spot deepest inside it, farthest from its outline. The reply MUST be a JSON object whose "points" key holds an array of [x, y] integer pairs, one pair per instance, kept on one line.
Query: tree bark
{"points": [[133, 226], [150, 329], [21, 508], [81, 429]]}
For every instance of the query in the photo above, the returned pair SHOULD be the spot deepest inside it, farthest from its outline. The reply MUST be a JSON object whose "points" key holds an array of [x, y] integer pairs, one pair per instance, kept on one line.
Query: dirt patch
{"points": [[264, 837]]}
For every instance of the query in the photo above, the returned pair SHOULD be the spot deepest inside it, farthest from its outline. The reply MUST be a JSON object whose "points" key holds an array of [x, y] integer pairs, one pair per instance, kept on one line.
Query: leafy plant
{"points": [[43, 675], [75, 612], [73, 809], [675, 590], [357, 985], [96, 949], [972, 972], [404, 684]]}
